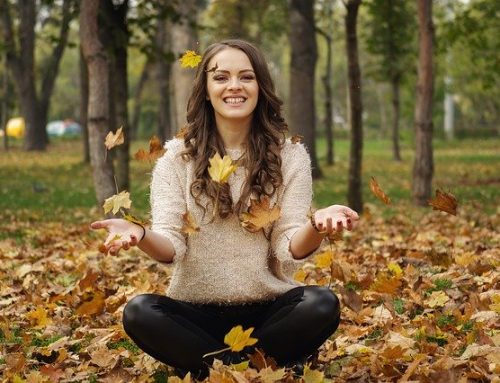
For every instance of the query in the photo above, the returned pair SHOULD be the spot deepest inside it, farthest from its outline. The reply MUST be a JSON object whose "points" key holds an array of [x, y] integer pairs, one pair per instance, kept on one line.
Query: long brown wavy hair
{"points": [[262, 158]]}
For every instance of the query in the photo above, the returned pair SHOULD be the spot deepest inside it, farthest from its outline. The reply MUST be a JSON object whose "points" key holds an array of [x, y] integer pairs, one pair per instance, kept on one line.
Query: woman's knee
{"points": [[136, 309], [323, 302]]}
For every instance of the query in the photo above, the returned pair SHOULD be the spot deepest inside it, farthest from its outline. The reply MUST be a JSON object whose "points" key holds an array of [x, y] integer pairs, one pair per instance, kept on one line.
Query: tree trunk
{"points": [[84, 104], [98, 112], [354, 194], [21, 63], [184, 37], [302, 69], [3, 120], [118, 16], [423, 166], [396, 153], [134, 126], [164, 114]]}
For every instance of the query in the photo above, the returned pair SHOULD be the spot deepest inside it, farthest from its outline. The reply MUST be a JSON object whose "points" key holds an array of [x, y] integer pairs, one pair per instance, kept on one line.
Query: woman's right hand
{"points": [[122, 234]]}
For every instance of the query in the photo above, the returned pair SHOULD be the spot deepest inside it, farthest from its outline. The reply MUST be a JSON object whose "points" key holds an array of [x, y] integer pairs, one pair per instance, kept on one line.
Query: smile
{"points": [[234, 100]]}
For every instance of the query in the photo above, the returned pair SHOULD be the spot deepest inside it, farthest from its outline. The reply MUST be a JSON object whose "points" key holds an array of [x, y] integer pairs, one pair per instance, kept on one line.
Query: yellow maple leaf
{"points": [[259, 215], [300, 275], [323, 259], [378, 192], [93, 304], [39, 316], [395, 269], [437, 299], [221, 168], [495, 306], [190, 226], [385, 283], [268, 375], [312, 376], [114, 139], [156, 150], [190, 59], [116, 202], [445, 202], [237, 339]]}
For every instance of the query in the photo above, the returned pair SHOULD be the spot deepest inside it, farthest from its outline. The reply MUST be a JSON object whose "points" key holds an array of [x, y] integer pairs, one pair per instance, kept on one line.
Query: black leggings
{"points": [[289, 329]]}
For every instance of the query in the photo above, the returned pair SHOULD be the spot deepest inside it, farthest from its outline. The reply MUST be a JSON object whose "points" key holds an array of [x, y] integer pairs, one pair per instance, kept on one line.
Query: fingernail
{"points": [[348, 220], [339, 222]]}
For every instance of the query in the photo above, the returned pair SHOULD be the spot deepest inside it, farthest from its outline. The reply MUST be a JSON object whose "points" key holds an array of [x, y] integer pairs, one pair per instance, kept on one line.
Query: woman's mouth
{"points": [[234, 100]]}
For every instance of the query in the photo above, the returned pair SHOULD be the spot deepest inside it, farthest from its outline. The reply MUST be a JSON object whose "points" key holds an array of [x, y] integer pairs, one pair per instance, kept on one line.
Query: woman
{"points": [[229, 273]]}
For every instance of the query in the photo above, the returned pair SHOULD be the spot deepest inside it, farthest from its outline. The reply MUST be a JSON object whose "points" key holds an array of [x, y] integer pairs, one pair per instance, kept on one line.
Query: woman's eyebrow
{"points": [[226, 71]]}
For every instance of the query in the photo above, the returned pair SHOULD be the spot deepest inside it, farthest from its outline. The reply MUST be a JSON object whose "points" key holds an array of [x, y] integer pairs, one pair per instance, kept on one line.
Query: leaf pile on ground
{"points": [[420, 297]]}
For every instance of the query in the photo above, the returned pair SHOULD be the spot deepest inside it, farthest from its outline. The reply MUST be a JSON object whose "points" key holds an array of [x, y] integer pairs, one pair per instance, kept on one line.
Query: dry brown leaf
{"points": [[351, 299], [182, 132], [296, 139], [92, 306], [89, 280], [156, 150], [114, 139], [260, 215], [189, 224], [445, 202], [379, 193]]}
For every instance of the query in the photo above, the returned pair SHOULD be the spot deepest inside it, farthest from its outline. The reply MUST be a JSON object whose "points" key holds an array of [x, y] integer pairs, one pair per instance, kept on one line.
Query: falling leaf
{"points": [[445, 202], [182, 132], [437, 299], [114, 139], [237, 339], [189, 224], [221, 168], [259, 215], [379, 193], [296, 139], [135, 220], [39, 316], [190, 59], [312, 376], [156, 150], [116, 202]]}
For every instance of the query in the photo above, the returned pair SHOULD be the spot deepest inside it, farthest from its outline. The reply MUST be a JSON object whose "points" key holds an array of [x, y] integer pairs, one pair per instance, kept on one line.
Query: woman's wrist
{"points": [[312, 220]]}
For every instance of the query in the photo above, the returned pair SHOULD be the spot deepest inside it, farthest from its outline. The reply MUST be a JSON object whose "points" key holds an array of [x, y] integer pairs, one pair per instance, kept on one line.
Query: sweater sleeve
{"points": [[295, 204], [168, 202]]}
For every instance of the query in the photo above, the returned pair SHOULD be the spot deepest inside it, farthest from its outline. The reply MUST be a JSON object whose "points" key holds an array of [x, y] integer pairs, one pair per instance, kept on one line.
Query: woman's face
{"points": [[232, 87]]}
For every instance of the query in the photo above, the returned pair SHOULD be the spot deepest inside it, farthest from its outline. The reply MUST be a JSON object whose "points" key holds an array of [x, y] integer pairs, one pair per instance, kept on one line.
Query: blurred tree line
{"points": [[402, 70]]}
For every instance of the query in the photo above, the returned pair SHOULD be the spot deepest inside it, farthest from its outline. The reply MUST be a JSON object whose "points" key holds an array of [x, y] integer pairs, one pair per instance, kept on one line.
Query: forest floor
{"points": [[420, 288]]}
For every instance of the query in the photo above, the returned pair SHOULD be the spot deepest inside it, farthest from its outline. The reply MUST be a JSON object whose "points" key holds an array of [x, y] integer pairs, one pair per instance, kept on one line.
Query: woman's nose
{"points": [[234, 83]]}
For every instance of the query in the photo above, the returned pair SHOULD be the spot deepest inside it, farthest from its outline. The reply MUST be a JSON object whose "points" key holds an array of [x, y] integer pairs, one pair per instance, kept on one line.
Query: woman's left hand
{"points": [[335, 218]]}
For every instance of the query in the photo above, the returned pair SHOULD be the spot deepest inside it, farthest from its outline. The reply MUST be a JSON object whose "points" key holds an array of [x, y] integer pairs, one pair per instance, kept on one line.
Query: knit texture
{"points": [[224, 263]]}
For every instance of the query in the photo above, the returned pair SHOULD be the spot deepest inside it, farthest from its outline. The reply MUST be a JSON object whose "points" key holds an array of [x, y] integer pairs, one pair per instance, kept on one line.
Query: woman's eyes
{"points": [[226, 78]]}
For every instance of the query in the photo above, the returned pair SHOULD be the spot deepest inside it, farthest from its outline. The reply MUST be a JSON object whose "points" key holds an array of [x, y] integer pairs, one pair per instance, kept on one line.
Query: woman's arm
{"points": [[123, 234]]}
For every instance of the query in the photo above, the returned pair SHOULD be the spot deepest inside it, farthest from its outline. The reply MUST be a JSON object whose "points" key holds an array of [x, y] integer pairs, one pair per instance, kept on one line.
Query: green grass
{"points": [[57, 185]]}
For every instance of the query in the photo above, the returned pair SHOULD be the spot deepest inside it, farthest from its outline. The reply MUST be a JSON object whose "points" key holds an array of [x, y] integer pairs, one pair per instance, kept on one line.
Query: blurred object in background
{"points": [[66, 128], [15, 127]]}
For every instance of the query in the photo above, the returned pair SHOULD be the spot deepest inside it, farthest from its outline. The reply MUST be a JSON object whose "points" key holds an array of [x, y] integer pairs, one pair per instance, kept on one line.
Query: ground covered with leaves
{"points": [[420, 293], [421, 301]]}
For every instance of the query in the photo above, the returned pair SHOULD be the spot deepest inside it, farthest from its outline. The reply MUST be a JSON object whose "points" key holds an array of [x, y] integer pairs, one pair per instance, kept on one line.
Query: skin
{"points": [[233, 92]]}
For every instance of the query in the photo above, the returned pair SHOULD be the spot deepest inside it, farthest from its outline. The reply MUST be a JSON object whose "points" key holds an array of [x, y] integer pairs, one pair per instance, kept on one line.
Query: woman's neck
{"points": [[234, 135]]}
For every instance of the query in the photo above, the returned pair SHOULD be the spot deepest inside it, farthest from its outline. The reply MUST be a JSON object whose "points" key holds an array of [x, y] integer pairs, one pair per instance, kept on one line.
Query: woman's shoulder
{"points": [[294, 151]]}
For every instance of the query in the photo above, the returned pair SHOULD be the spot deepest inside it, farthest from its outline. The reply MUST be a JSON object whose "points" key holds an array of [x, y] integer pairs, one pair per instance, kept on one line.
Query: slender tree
{"points": [[423, 166], [84, 106], [326, 79], [354, 194], [96, 58], [389, 39], [302, 116], [21, 63]]}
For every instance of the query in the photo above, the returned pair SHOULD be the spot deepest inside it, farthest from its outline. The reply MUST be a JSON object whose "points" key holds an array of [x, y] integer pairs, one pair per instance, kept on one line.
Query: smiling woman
{"points": [[234, 267]]}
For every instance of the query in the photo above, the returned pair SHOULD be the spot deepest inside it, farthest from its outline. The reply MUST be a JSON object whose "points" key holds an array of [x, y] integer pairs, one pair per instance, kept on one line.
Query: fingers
{"points": [[98, 225]]}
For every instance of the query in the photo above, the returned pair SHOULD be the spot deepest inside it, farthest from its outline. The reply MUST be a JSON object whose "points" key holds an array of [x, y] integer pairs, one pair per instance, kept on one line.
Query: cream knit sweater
{"points": [[224, 263]]}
